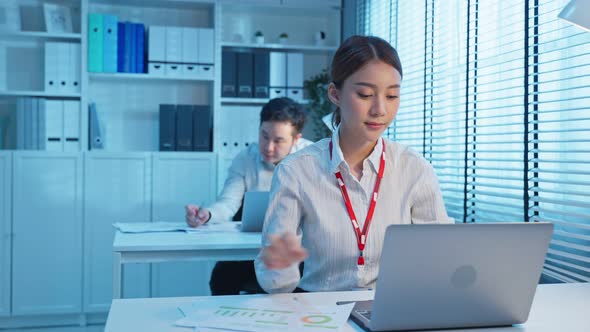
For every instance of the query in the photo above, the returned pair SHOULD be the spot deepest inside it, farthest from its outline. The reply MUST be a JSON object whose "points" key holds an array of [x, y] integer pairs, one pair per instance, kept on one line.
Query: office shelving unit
{"points": [[20, 35], [43, 94], [301, 20], [84, 192], [284, 47], [141, 76]]}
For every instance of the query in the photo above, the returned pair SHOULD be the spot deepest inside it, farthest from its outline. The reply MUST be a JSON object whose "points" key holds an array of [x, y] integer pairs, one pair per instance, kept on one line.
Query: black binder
{"points": [[202, 128], [167, 127], [245, 75], [229, 74], [261, 74], [184, 128]]}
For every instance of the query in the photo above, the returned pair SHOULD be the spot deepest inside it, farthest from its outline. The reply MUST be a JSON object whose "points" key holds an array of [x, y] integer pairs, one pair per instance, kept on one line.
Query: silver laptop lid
{"points": [[458, 275], [255, 204]]}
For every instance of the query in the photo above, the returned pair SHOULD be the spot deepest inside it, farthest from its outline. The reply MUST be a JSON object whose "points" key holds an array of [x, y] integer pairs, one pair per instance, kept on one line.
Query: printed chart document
{"points": [[165, 226], [263, 314]]}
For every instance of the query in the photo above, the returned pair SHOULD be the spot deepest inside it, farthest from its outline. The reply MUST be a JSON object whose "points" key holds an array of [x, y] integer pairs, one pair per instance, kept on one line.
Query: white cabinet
{"points": [[47, 228], [5, 230], [180, 179], [117, 189]]}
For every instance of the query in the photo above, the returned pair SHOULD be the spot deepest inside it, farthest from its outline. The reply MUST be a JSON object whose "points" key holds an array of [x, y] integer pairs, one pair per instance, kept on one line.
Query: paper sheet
{"points": [[164, 226], [216, 227], [263, 314], [147, 227]]}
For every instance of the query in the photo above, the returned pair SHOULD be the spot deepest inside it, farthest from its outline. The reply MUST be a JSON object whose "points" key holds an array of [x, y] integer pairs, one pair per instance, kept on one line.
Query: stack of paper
{"points": [[263, 314]]}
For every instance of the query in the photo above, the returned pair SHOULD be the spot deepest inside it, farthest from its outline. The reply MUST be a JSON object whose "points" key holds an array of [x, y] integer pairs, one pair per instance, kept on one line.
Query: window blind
{"points": [[408, 127], [445, 90], [496, 96], [495, 111], [559, 137]]}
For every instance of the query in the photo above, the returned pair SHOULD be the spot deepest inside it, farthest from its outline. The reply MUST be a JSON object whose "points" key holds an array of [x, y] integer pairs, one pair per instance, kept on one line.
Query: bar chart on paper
{"points": [[266, 317]]}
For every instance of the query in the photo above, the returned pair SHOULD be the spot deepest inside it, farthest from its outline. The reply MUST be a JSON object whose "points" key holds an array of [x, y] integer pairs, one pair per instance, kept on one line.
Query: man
{"points": [[281, 122]]}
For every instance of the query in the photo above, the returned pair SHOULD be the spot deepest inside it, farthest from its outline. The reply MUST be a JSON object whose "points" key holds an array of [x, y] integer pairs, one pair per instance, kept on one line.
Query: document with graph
{"points": [[263, 314]]}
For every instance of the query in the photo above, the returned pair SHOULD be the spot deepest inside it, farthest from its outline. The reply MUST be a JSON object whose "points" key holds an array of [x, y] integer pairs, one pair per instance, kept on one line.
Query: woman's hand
{"points": [[283, 251]]}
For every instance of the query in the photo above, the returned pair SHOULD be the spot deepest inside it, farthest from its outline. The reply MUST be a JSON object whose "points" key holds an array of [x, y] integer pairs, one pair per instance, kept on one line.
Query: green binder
{"points": [[95, 42]]}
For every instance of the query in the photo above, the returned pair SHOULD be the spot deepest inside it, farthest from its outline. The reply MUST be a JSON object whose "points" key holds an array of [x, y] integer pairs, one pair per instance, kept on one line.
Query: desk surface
{"points": [[217, 243], [169, 241], [561, 307]]}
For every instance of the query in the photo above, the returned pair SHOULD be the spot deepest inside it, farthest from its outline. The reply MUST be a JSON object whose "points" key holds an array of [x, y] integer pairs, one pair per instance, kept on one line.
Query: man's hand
{"points": [[196, 216]]}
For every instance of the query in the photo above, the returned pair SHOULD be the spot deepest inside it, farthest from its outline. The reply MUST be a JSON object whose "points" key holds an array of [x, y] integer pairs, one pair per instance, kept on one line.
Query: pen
{"points": [[344, 302]]}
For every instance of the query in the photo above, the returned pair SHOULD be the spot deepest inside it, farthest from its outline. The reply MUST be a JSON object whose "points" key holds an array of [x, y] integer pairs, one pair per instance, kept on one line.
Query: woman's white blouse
{"points": [[306, 200]]}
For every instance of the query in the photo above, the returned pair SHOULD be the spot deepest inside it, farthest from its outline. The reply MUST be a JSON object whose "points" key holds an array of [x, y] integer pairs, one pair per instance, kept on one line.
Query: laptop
{"points": [[456, 276], [255, 204]]}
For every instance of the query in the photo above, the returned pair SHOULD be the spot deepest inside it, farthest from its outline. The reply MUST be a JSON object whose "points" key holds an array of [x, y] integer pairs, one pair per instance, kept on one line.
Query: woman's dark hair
{"points": [[284, 110], [353, 54]]}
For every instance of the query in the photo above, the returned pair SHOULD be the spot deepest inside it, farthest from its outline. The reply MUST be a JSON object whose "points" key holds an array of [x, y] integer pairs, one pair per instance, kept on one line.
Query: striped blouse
{"points": [[306, 200]]}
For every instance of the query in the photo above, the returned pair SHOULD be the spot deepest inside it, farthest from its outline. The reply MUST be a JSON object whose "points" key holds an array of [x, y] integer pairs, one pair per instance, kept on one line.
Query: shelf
{"points": [[286, 47], [130, 76], [252, 101], [39, 35], [6, 93], [176, 4]]}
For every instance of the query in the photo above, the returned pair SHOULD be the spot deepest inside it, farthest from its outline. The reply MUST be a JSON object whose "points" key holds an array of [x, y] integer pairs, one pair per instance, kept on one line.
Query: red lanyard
{"points": [[361, 237]]}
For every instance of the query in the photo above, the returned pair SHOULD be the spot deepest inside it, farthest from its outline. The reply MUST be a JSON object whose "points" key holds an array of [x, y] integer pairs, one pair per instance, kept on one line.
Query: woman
{"points": [[319, 192]]}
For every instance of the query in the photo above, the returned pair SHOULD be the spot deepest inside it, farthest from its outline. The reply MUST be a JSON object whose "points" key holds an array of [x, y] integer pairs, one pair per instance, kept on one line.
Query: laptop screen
{"points": [[458, 275]]}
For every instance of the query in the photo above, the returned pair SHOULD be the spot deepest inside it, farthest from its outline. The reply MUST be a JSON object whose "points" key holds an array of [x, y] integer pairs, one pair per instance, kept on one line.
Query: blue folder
{"points": [[140, 50], [128, 51], [95, 42], [110, 43], [121, 47], [132, 47]]}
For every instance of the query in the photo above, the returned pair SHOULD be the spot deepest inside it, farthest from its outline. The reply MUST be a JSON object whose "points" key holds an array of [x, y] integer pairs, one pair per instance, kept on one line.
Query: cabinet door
{"points": [[47, 233], [5, 230], [180, 179], [117, 189]]}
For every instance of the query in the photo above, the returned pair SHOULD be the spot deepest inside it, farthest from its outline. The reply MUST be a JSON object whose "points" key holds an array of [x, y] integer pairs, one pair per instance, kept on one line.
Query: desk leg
{"points": [[117, 275]]}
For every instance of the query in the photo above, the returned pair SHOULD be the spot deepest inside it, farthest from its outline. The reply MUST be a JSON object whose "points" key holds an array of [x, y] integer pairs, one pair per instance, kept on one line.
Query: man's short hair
{"points": [[284, 110]]}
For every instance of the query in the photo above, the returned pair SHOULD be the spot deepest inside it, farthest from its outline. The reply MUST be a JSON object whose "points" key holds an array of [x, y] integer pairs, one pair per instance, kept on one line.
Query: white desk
{"points": [[230, 245], [562, 307]]}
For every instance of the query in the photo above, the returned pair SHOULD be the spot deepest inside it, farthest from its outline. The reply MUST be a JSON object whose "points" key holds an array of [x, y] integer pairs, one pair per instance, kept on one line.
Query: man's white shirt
{"points": [[248, 172]]}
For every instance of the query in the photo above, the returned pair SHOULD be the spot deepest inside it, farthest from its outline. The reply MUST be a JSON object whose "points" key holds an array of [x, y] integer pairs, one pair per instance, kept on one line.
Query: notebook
{"points": [[456, 275], [255, 204]]}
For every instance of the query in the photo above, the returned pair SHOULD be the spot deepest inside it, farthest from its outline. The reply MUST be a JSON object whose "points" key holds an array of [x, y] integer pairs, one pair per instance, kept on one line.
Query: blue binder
{"points": [[140, 51], [95, 42], [110, 43], [128, 48], [121, 47]]}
